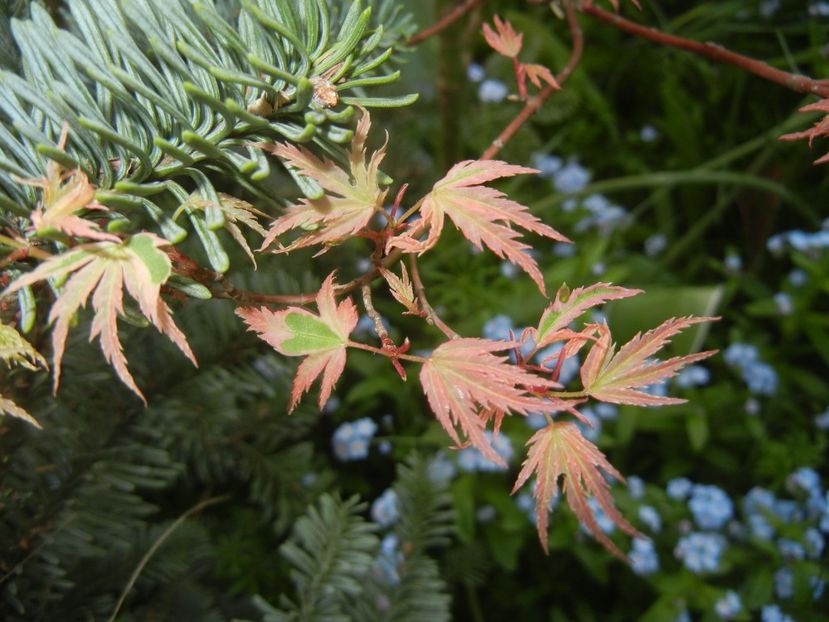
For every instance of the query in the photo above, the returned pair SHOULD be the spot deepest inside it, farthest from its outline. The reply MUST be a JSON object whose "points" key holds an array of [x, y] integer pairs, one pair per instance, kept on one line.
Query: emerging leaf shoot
{"points": [[353, 196]]}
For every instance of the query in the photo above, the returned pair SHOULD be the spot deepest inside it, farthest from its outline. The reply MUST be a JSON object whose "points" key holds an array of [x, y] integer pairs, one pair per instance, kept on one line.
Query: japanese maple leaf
{"points": [[503, 39], [561, 458], [539, 73], [16, 351], [465, 383], [353, 196], [613, 376], [321, 338], [65, 193], [570, 305], [402, 290], [821, 128], [103, 270], [482, 214], [236, 212]]}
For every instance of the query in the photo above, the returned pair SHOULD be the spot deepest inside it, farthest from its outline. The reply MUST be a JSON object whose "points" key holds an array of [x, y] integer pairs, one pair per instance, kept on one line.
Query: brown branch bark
{"points": [[534, 103], [444, 22], [799, 83]]}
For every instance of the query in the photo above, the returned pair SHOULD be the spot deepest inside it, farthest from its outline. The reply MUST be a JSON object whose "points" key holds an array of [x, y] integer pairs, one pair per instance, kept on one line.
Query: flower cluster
{"points": [[471, 460], [351, 440], [799, 241], [758, 375], [384, 510]]}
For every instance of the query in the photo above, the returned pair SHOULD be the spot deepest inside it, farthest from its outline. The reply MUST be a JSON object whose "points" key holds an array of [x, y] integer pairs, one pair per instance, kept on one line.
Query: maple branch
{"points": [[444, 22], [431, 316], [379, 327], [799, 83], [534, 103]]}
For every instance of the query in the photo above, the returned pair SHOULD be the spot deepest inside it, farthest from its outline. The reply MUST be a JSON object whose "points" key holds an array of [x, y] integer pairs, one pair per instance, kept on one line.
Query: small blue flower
{"points": [[498, 328], [387, 561], [815, 542], [650, 518], [571, 177], [364, 427], [805, 479], [784, 583], [679, 488], [784, 303], [475, 73], [772, 613], [441, 470], [648, 134], [729, 605], [760, 527], [643, 558], [470, 459], [607, 412], [791, 550], [788, 511], [733, 262], [562, 250], [769, 7], [822, 420], [492, 91], [760, 378], [741, 354], [693, 376], [798, 277], [549, 165], [591, 432], [536, 421], [384, 510], [818, 585], [485, 514], [711, 507], [752, 407], [525, 502], [700, 552], [509, 270], [683, 616], [351, 439], [636, 487], [604, 522], [655, 244]]}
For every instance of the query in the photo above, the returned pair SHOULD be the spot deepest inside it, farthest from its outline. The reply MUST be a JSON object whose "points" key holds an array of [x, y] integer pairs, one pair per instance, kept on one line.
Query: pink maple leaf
{"points": [[103, 270], [465, 383], [570, 305], [539, 73], [615, 376], [560, 452], [483, 215], [352, 197], [321, 338], [505, 41]]}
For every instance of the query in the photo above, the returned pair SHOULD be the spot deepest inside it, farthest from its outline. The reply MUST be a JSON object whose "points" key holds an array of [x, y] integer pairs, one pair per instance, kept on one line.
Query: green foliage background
{"points": [[82, 501]]}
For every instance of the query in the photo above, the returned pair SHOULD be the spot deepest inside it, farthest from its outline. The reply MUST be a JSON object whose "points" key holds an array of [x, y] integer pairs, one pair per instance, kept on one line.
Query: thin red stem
{"points": [[431, 316], [392, 355], [534, 103], [444, 22], [799, 83]]}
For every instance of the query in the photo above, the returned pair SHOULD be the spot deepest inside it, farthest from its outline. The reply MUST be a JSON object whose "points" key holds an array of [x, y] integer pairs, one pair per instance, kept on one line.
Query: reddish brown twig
{"points": [[799, 83], [534, 103], [431, 316], [444, 22]]}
